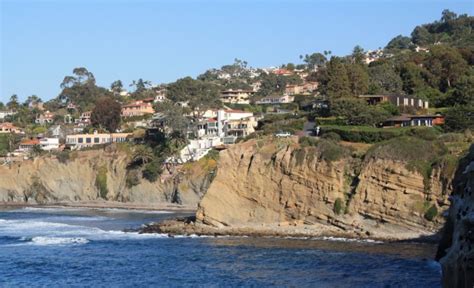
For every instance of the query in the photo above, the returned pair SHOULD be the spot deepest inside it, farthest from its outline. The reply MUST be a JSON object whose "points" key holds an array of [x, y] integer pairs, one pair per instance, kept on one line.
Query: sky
{"points": [[41, 41]]}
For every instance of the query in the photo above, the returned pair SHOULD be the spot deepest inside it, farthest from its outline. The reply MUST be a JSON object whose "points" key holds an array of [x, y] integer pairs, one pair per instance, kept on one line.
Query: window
{"points": [[96, 140], [81, 140], [88, 140]]}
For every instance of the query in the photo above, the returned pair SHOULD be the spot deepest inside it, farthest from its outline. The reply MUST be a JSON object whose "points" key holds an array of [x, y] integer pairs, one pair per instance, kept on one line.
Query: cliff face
{"points": [[456, 250], [45, 180], [277, 184]]}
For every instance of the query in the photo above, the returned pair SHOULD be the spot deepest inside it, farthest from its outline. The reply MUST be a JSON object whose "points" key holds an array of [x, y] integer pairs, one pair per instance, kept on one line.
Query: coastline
{"points": [[187, 226], [104, 205]]}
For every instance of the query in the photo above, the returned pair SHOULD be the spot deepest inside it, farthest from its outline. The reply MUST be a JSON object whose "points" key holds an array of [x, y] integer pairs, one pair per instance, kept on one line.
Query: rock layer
{"points": [[46, 180], [278, 184]]}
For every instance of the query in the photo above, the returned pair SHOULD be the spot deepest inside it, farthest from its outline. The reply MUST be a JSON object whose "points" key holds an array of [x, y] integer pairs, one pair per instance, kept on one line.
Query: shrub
{"points": [[364, 134], [332, 136], [459, 118], [307, 141], [426, 133], [151, 171], [338, 206], [431, 213], [328, 149], [101, 181], [132, 178], [63, 156]]}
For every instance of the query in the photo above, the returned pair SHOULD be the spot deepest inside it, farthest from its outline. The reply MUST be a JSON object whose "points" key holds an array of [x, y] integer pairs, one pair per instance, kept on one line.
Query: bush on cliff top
{"points": [[418, 154], [329, 150]]}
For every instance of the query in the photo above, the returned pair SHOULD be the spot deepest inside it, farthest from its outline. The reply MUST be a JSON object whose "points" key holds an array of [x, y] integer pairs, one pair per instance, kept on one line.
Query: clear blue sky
{"points": [[42, 41]]}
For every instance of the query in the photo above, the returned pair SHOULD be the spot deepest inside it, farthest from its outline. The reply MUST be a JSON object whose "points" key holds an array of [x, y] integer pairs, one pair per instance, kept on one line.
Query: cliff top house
{"points": [[8, 127]]}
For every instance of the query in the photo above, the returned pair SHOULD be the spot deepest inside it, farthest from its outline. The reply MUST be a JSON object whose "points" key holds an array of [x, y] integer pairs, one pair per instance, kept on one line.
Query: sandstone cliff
{"points": [[46, 180], [456, 250], [276, 183]]}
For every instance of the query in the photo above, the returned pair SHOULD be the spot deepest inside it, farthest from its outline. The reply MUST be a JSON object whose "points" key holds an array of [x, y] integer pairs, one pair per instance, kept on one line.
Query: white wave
{"points": [[43, 241], [50, 231], [47, 209], [342, 239]]}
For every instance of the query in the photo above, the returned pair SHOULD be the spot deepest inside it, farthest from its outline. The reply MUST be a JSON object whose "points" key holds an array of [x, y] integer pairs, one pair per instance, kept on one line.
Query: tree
{"points": [[106, 114], [383, 79], [271, 84], [358, 79], [13, 103], [338, 84], [421, 36], [448, 15], [462, 94], [33, 99], [81, 90], [140, 86], [357, 112], [2, 106], [412, 78], [358, 54], [116, 87], [315, 60], [199, 95], [174, 117], [398, 43], [447, 65], [460, 118], [142, 154]]}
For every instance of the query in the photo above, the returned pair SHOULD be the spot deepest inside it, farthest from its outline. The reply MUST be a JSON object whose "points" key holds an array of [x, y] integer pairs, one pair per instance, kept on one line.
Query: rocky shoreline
{"points": [[188, 226]]}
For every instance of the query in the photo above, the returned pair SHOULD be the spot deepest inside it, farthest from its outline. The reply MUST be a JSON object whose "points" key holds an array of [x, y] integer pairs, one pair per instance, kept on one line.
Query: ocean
{"points": [[80, 247]]}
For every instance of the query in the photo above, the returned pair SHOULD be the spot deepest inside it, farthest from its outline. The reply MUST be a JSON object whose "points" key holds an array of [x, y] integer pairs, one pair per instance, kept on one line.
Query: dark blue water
{"points": [[84, 247]]}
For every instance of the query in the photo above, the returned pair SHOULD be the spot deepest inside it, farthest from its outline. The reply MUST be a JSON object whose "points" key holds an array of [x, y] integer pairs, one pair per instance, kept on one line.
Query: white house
{"points": [[4, 114], [48, 144], [78, 141], [277, 99]]}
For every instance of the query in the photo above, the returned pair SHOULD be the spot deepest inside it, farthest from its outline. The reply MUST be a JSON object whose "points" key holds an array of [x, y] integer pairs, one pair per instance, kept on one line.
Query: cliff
{"points": [[456, 249], [46, 180], [279, 185]]}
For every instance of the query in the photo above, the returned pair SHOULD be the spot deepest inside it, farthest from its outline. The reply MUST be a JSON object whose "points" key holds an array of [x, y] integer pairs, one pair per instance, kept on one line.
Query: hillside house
{"points": [[276, 99], [138, 108], [4, 114], [302, 89], [83, 120], [27, 144], [238, 96], [79, 141], [397, 100], [44, 118], [8, 127], [414, 120]]}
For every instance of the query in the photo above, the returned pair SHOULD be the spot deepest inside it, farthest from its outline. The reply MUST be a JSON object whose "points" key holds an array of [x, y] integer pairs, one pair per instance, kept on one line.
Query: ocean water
{"points": [[56, 247]]}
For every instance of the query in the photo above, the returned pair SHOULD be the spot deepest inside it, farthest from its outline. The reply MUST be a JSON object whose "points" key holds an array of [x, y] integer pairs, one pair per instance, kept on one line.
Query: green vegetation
{"points": [[282, 122], [132, 178], [152, 171], [419, 154], [327, 150], [63, 156], [338, 206], [101, 181], [368, 134], [431, 213]]}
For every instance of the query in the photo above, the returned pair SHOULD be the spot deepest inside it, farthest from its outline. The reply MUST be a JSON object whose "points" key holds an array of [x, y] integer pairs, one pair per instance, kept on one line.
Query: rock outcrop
{"points": [[46, 180], [266, 184], [456, 249]]}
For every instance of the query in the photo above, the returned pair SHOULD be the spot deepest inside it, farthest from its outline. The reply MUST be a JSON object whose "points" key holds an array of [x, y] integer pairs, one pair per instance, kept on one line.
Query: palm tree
{"points": [[142, 154]]}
